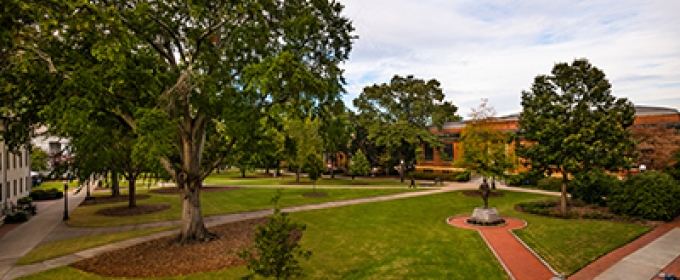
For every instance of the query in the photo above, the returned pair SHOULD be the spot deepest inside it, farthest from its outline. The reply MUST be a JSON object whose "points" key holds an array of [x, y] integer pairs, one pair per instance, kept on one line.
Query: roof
{"points": [[640, 110]]}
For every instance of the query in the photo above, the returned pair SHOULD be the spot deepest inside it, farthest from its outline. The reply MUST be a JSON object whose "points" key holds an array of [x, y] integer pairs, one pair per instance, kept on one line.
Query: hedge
{"points": [[650, 195]]}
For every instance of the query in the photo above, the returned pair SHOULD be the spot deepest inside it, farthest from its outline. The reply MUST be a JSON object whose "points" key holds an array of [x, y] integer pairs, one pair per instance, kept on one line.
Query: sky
{"points": [[494, 49]]}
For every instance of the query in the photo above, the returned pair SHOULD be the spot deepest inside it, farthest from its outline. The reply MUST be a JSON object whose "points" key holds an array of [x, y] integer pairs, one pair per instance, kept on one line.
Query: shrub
{"points": [[550, 184], [25, 200], [524, 178], [593, 187], [462, 176], [17, 217], [650, 195], [277, 246], [42, 194]]}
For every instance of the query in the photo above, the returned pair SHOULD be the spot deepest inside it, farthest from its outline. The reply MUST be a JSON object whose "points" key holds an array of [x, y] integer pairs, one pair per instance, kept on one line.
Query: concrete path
{"points": [[648, 261], [22, 239], [47, 226], [519, 261]]}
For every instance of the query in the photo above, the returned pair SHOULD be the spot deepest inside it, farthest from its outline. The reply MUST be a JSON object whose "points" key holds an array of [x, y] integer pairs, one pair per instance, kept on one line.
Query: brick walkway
{"points": [[600, 265], [516, 259]]}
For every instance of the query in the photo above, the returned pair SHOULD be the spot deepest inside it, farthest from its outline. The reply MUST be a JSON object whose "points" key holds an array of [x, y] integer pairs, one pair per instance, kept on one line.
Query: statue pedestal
{"points": [[485, 217]]}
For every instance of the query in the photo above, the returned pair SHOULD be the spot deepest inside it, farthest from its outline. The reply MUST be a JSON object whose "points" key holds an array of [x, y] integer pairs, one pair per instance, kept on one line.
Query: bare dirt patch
{"points": [[112, 199], [127, 211], [479, 194], [166, 257], [174, 190]]}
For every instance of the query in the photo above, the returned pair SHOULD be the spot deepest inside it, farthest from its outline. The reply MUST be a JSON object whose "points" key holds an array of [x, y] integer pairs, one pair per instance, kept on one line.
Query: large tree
{"points": [[173, 70], [397, 115], [572, 123], [485, 145]]}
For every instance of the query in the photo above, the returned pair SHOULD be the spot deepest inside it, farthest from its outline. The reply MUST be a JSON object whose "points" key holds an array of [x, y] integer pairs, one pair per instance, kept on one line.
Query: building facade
{"points": [[15, 174], [645, 116]]}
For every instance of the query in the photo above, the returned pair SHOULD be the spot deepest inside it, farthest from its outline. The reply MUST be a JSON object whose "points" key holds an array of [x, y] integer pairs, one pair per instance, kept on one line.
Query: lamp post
{"points": [[401, 170], [65, 200]]}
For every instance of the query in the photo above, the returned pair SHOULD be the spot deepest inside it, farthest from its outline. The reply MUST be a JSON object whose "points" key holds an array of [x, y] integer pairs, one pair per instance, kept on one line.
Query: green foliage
{"points": [[593, 187], [42, 194], [485, 146], [650, 195], [397, 115], [462, 176], [314, 167], [25, 200], [17, 217], [571, 122], [359, 165], [39, 159], [529, 177], [277, 246], [550, 184]]}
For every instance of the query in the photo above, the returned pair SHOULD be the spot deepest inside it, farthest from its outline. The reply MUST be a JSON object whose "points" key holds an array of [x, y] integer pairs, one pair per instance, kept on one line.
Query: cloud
{"points": [[494, 49]]}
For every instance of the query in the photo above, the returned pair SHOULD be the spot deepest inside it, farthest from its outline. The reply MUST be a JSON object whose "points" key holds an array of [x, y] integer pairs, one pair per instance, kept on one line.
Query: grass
{"points": [[59, 185], [69, 246], [229, 178], [408, 238], [241, 200]]}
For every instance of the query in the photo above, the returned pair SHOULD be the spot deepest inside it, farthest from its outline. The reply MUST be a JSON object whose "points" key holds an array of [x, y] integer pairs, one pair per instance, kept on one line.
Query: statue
{"points": [[485, 190]]}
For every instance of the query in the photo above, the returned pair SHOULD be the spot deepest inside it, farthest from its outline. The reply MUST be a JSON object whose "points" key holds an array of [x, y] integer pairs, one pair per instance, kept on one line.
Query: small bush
{"points": [[41, 194], [528, 178], [593, 187], [650, 195], [17, 217], [572, 214], [462, 176], [25, 200], [550, 184]]}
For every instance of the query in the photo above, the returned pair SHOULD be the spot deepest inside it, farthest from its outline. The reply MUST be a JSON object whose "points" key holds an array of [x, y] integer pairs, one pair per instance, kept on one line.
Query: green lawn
{"points": [[59, 185], [408, 238], [229, 178], [241, 200]]}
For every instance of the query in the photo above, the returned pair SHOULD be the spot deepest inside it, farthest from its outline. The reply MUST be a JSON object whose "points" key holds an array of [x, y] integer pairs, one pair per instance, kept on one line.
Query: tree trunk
{"points": [[297, 175], [193, 228], [563, 199], [332, 169], [278, 168], [243, 172], [266, 169], [132, 201], [115, 186]]}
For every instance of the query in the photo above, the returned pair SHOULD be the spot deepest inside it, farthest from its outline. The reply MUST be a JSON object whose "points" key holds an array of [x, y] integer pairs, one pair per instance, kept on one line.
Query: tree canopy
{"points": [[485, 146], [173, 71], [572, 123], [397, 115]]}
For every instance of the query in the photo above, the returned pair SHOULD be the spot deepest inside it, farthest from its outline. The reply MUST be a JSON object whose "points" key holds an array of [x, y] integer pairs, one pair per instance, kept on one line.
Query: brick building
{"points": [[451, 132]]}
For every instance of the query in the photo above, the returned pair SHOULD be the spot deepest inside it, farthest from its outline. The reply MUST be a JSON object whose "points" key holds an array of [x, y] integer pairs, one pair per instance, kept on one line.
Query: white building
{"points": [[15, 174], [51, 144]]}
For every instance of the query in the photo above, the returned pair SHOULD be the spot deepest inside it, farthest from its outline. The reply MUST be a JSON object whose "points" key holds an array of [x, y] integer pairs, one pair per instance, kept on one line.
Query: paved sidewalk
{"points": [[22, 239], [50, 223], [606, 262], [518, 260], [648, 261]]}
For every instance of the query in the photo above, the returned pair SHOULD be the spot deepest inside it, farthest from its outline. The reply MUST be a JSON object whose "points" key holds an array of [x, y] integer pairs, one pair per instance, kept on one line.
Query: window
{"points": [[14, 158], [448, 150], [55, 147], [15, 187], [1, 192], [21, 185], [21, 162], [28, 156], [1, 161], [429, 153]]}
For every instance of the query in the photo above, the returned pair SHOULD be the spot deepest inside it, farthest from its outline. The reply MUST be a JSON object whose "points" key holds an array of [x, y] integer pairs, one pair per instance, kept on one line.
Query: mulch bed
{"points": [[315, 194], [166, 257], [126, 211], [174, 190], [479, 194], [112, 199]]}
